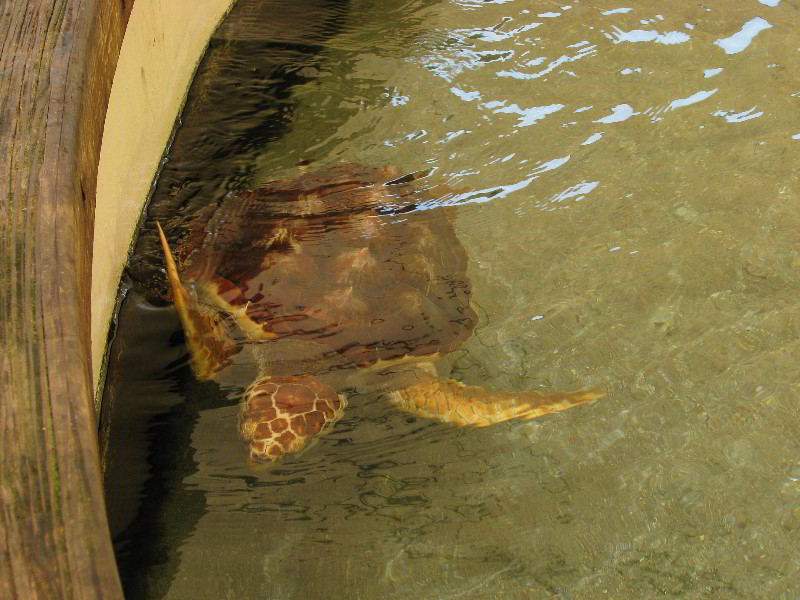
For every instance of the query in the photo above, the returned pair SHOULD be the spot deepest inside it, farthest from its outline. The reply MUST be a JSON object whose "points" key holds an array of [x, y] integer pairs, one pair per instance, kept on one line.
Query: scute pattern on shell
{"points": [[334, 257]]}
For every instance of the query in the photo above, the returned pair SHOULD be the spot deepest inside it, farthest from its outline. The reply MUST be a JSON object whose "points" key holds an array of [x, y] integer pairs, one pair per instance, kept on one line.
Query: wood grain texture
{"points": [[57, 60]]}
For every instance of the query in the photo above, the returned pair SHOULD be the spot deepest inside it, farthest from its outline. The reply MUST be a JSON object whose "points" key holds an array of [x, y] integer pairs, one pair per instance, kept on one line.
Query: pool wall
{"points": [[163, 45], [57, 61]]}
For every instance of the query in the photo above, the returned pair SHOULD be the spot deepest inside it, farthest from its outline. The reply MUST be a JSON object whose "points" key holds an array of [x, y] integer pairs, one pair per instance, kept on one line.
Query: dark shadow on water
{"points": [[239, 102], [146, 550], [147, 428]]}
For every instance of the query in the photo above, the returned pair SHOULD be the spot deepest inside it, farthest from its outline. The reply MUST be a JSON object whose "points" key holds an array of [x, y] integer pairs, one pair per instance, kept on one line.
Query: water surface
{"points": [[626, 185]]}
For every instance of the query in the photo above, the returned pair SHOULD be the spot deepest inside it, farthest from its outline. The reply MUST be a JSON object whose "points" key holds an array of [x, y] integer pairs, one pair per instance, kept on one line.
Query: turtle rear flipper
{"points": [[453, 402], [210, 345]]}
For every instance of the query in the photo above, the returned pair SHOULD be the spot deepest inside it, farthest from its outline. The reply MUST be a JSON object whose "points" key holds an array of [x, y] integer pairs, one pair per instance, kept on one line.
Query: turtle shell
{"points": [[338, 257]]}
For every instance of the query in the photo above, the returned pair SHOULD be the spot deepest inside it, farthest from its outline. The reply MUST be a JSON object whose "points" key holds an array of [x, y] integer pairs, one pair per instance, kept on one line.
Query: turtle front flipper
{"points": [[210, 346], [453, 402], [280, 415]]}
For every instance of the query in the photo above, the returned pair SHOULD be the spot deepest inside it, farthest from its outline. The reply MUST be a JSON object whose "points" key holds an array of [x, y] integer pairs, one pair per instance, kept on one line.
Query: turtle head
{"points": [[281, 415]]}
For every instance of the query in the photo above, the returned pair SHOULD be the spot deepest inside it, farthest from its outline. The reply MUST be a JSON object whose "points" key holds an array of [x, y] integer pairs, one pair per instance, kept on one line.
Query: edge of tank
{"points": [[65, 201], [164, 43]]}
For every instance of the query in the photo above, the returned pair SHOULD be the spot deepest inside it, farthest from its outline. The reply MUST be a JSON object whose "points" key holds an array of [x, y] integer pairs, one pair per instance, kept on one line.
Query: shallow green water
{"points": [[627, 185]]}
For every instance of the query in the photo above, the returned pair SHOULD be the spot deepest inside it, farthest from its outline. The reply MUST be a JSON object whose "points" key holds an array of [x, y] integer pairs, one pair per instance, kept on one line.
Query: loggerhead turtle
{"points": [[331, 281]]}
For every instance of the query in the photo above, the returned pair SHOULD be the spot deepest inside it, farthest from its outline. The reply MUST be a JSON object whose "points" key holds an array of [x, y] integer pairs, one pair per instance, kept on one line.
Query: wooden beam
{"points": [[57, 60]]}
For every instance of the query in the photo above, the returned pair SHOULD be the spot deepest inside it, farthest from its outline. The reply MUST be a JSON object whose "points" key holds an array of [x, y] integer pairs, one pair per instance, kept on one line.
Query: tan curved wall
{"points": [[163, 43]]}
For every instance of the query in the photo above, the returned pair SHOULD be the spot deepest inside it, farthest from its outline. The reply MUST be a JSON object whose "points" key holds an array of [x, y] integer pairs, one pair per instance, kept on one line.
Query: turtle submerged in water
{"points": [[333, 282]]}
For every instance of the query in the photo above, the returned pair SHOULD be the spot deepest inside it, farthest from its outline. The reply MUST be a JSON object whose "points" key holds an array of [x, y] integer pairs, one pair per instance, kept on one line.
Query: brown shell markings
{"points": [[324, 257]]}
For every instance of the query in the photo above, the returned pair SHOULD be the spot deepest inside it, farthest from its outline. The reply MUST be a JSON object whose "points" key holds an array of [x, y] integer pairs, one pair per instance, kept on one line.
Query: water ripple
{"points": [[626, 224]]}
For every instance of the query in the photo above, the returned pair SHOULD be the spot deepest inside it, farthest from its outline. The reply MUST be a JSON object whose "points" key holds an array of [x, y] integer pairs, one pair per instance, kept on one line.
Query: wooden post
{"points": [[57, 60]]}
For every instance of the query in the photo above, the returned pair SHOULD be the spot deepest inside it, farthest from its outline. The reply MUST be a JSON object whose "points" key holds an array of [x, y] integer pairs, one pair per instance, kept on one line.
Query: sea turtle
{"points": [[333, 280]]}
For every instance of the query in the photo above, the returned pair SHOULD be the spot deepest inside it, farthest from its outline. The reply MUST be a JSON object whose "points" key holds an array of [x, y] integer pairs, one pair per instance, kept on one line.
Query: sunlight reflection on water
{"points": [[629, 223]]}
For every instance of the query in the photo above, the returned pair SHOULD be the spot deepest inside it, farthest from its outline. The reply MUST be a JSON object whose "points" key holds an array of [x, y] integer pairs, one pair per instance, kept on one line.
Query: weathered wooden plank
{"points": [[57, 60]]}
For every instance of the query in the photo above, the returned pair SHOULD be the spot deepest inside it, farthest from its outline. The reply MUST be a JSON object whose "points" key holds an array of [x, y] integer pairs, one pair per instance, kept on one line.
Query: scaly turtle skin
{"points": [[330, 282]]}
